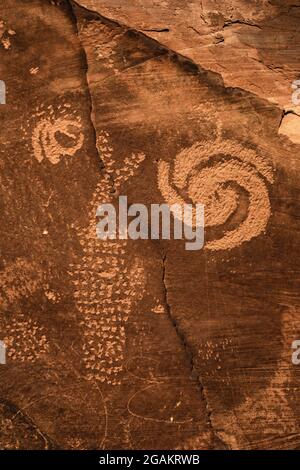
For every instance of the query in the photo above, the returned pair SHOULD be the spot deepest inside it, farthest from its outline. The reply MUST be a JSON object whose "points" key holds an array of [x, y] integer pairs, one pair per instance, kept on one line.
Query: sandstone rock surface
{"points": [[140, 344]]}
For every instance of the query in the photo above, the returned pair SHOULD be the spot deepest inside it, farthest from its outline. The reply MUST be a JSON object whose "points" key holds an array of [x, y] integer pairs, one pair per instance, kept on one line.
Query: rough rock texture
{"points": [[142, 344], [253, 44]]}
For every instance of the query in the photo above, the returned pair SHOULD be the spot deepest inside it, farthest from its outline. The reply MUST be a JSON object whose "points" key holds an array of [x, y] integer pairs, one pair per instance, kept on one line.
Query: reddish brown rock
{"points": [[143, 344]]}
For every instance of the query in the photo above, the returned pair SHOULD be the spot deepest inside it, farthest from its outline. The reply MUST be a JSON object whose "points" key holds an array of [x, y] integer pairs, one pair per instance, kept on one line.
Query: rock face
{"points": [[253, 44], [141, 344]]}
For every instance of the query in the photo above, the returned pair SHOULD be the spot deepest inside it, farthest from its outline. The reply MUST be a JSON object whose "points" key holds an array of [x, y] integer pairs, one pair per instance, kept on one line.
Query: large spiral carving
{"points": [[211, 174]]}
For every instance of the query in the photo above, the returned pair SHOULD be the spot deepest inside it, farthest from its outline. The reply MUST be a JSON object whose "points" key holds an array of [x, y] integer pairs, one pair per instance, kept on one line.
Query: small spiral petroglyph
{"points": [[57, 133], [210, 174]]}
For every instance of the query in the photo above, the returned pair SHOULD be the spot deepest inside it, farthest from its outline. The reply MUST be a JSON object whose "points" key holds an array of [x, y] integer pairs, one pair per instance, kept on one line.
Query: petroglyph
{"points": [[5, 35], [208, 173], [26, 341], [107, 287], [105, 42], [129, 166], [57, 133]]}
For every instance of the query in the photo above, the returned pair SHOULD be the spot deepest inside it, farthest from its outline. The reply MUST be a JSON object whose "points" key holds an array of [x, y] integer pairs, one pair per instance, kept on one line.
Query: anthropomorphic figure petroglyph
{"points": [[106, 287]]}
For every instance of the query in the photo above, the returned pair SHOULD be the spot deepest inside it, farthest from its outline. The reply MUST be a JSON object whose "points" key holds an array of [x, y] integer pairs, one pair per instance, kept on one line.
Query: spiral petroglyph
{"points": [[57, 133], [212, 174]]}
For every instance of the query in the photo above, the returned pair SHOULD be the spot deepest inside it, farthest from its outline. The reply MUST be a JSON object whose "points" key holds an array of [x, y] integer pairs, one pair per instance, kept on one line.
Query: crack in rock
{"points": [[195, 376], [240, 22], [214, 77], [73, 6], [156, 30]]}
